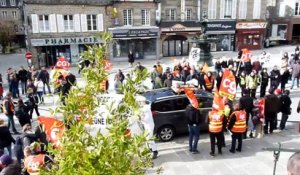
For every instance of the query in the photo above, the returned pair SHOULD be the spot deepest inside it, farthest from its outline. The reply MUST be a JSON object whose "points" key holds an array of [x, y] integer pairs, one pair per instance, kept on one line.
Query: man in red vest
{"points": [[237, 126], [216, 124]]}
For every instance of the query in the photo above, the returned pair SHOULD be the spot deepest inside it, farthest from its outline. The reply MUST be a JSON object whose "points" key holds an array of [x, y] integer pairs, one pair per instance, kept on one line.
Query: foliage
{"points": [[6, 34], [112, 153]]}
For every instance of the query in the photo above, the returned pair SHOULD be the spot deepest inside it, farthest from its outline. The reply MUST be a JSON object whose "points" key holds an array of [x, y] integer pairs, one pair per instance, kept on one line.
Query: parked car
{"points": [[168, 109]]}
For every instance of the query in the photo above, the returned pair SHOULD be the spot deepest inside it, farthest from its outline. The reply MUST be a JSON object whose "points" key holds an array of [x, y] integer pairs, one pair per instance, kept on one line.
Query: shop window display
{"points": [[139, 47]]}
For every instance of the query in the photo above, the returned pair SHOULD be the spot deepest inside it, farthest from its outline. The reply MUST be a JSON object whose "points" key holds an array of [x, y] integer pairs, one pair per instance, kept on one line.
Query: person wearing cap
{"points": [[35, 160], [148, 123], [285, 108], [9, 166], [9, 109], [293, 165], [6, 138]]}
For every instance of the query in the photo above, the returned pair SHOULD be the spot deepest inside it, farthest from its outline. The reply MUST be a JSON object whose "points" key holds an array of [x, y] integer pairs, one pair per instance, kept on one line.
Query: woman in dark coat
{"points": [[130, 58], [22, 113], [5, 137]]}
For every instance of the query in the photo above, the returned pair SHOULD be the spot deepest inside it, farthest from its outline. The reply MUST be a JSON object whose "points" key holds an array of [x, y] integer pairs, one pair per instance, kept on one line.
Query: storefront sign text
{"points": [[64, 41], [220, 25], [131, 33], [251, 25]]}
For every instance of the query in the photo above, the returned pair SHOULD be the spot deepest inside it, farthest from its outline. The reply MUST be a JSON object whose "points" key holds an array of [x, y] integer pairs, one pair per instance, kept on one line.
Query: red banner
{"points": [[246, 56], [62, 63], [228, 85], [262, 106], [218, 103], [191, 96], [53, 128]]}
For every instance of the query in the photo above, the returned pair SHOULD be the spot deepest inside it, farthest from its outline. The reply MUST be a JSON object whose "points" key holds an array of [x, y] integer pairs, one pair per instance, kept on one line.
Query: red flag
{"points": [[191, 96], [228, 85], [53, 128], [262, 106], [218, 103], [61, 63], [246, 56]]}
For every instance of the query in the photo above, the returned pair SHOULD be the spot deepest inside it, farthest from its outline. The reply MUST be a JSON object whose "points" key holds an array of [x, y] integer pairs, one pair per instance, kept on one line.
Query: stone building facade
{"points": [[63, 28]]}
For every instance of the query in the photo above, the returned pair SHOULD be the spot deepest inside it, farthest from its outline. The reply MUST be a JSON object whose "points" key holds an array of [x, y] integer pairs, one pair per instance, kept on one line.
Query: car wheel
{"points": [[166, 133]]}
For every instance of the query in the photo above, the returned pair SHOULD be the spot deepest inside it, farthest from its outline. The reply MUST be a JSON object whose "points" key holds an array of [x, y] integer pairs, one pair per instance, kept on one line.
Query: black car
{"points": [[168, 109]]}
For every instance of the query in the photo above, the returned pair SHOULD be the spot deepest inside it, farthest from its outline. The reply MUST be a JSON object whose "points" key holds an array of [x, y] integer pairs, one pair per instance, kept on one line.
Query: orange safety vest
{"points": [[34, 163], [240, 122], [215, 122], [208, 82]]}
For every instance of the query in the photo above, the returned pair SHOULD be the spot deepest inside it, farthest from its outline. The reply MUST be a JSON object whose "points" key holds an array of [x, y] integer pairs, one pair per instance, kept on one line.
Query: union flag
{"points": [[191, 96], [228, 85]]}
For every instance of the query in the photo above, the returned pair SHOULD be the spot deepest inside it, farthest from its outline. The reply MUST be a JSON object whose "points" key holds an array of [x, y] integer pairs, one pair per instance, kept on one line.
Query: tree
{"points": [[6, 34], [118, 152]]}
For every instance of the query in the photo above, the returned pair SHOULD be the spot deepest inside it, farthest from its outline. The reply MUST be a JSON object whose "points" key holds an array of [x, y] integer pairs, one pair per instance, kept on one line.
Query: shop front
{"points": [[47, 50], [176, 37], [224, 32], [142, 41], [250, 35]]}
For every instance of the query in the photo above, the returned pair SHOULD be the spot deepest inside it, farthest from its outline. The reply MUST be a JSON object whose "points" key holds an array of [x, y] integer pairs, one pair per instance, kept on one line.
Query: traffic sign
{"points": [[28, 55]]}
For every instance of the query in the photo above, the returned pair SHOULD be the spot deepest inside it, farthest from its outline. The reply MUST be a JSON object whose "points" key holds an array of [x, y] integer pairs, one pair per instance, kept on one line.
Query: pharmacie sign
{"points": [[64, 41]]}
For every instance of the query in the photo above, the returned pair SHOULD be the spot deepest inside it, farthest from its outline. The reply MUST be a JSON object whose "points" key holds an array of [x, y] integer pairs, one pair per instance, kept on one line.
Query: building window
{"points": [[68, 23], [14, 14], [171, 14], [4, 14], [188, 14], [256, 9], [91, 22], [13, 2], [228, 9], [297, 8], [243, 9], [212, 9], [127, 14], [44, 23], [145, 17], [3, 2]]}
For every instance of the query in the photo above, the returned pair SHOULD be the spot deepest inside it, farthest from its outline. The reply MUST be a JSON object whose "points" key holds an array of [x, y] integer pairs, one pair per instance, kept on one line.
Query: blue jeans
{"points": [[293, 81], [11, 122], [23, 87], [8, 148], [48, 86], [194, 133]]}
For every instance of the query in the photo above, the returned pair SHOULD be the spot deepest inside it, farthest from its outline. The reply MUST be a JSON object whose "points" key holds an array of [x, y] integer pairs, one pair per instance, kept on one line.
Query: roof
{"points": [[164, 93], [70, 2]]}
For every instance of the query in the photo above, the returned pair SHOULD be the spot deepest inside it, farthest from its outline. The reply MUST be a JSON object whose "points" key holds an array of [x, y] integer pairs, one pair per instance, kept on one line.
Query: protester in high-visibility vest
{"points": [[35, 160], [209, 82], [237, 126], [216, 124]]}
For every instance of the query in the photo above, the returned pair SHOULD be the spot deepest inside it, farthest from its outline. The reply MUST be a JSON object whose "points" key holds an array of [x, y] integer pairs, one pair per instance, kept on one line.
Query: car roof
{"points": [[168, 93]]}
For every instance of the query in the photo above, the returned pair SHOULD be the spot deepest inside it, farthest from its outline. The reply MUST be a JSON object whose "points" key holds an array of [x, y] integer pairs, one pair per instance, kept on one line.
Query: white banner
{"points": [[194, 56]]}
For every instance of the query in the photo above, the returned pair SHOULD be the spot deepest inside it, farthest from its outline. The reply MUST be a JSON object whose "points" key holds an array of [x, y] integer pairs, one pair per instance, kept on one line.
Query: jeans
{"points": [[293, 81], [40, 95], [284, 118], [23, 87], [8, 148], [194, 133], [36, 111], [11, 122], [48, 86], [239, 138], [263, 88]]}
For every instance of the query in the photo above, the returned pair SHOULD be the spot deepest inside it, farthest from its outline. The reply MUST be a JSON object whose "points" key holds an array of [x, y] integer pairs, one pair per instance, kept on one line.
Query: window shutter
{"points": [[234, 5], [60, 23], [282, 9], [100, 22], [77, 23], [52, 23], [83, 22], [34, 23], [222, 9], [256, 9], [243, 9]]}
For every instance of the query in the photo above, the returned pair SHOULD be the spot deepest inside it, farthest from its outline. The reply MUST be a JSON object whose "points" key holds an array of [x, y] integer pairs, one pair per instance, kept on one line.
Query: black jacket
{"points": [[246, 103], [273, 75], [231, 121], [22, 75], [285, 104], [44, 76], [192, 115], [272, 104], [5, 137], [264, 78]]}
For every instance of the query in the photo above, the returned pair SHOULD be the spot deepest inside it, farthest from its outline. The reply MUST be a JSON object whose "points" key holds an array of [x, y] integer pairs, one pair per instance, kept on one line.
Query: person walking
{"points": [[295, 73], [9, 109], [272, 107], [285, 108], [246, 103], [45, 78], [38, 83], [237, 126], [32, 103], [23, 79], [275, 77], [6, 138], [217, 123], [193, 119], [130, 58]]}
